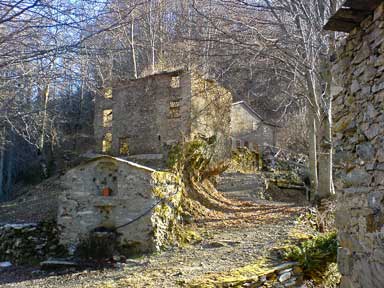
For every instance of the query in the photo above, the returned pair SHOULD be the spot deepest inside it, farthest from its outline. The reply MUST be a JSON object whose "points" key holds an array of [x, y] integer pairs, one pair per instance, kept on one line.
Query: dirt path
{"points": [[228, 243]]}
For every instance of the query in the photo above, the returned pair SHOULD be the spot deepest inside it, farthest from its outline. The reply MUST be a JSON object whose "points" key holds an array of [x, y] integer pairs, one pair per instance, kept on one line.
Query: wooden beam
{"points": [[341, 26], [367, 5], [351, 14]]}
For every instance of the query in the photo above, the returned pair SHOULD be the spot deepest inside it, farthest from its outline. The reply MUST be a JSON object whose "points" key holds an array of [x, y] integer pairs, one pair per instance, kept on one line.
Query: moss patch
{"points": [[235, 278], [244, 160]]}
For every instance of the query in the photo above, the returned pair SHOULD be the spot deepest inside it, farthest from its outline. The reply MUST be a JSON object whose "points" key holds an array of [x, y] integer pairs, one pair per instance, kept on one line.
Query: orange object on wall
{"points": [[107, 191]]}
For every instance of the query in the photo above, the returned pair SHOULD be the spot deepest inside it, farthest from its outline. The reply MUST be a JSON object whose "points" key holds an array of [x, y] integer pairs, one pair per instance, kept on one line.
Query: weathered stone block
{"points": [[344, 123], [365, 151], [373, 130], [362, 54], [357, 177], [344, 260], [349, 241], [346, 283], [355, 86]]}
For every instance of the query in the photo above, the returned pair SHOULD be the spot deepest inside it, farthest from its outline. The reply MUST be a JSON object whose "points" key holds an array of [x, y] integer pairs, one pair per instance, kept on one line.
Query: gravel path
{"points": [[226, 245]]}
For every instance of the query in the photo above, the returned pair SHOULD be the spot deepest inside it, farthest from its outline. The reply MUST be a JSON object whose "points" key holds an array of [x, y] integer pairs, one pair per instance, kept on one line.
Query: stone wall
{"points": [[135, 193], [28, 243], [140, 113], [359, 155]]}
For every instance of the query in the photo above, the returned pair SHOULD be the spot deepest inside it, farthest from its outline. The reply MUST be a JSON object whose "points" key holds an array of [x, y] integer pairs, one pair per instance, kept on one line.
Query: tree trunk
{"points": [[133, 46], [312, 113], [2, 154], [45, 112], [152, 36], [326, 189], [43, 161], [312, 155], [10, 162]]}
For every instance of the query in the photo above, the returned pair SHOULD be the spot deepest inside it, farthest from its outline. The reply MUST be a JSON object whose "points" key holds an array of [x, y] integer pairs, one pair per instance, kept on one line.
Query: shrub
{"points": [[315, 255]]}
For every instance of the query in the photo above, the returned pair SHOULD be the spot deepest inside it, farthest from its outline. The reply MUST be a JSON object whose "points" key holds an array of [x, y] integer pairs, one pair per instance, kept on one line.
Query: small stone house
{"points": [[249, 129], [358, 138], [107, 193], [144, 117]]}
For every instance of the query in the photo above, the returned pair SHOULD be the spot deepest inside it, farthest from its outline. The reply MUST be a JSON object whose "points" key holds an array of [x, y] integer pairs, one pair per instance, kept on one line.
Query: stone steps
{"points": [[245, 187]]}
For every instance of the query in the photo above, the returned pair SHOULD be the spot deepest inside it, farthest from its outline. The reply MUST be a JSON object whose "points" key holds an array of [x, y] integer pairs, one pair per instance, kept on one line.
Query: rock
{"points": [[37, 273], [344, 123], [355, 86], [285, 271], [215, 244], [132, 263], [57, 264], [344, 260], [378, 87], [371, 113], [290, 283], [357, 177], [365, 151], [284, 277], [284, 266], [116, 258], [369, 73], [231, 243], [5, 264], [118, 265], [372, 131], [363, 53]]}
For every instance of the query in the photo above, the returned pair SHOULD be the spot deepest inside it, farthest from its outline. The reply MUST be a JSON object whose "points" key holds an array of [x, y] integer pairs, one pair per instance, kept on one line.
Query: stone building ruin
{"points": [[358, 99], [137, 204], [143, 118]]}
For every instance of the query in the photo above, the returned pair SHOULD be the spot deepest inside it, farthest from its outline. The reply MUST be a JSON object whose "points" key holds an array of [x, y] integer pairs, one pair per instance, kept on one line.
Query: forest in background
{"points": [[56, 55]]}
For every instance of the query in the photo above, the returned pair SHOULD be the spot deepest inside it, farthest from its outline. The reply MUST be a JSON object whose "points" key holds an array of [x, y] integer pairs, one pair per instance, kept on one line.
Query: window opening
{"points": [[175, 82], [107, 118], [123, 146], [174, 109], [107, 143], [108, 93]]}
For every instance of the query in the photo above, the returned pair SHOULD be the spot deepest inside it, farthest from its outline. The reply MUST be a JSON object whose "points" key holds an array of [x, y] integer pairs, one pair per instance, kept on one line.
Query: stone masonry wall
{"points": [[358, 116], [155, 112], [140, 113], [135, 193], [29, 243], [247, 127]]}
